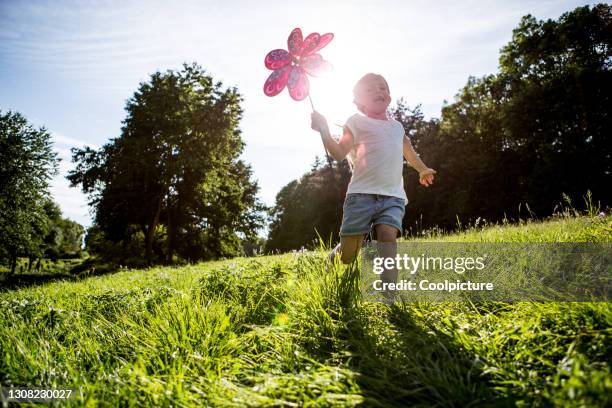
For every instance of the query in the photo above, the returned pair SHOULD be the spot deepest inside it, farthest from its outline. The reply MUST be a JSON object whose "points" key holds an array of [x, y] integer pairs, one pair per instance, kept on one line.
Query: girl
{"points": [[375, 194]]}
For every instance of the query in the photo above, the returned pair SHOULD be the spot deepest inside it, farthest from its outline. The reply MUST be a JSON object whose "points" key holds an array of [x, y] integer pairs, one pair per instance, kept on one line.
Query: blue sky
{"points": [[70, 66]]}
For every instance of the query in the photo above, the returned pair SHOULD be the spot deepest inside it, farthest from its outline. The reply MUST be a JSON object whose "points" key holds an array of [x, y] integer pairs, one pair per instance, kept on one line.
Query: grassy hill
{"points": [[282, 331]]}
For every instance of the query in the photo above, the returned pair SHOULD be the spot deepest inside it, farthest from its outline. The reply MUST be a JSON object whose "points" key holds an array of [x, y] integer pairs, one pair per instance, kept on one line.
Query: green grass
{"points": [[282, 331]]}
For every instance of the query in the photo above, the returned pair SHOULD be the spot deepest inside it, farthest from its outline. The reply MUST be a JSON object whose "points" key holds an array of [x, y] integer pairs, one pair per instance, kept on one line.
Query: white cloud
{"points": [[65, 141]]}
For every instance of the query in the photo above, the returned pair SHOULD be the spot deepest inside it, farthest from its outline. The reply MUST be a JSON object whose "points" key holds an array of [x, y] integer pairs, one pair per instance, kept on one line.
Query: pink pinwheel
{"points": [[290, 67]]}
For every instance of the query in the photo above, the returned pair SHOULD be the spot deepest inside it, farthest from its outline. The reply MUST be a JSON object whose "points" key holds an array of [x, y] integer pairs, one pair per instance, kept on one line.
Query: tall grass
{"points": [[290, 331]]}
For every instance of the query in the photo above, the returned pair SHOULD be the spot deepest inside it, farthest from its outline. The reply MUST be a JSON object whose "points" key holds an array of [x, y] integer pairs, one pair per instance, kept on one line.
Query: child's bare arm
{"points": [[426, 175], [337, 149]]}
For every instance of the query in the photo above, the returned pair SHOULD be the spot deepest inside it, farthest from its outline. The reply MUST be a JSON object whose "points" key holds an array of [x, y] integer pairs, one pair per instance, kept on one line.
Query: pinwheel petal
{"points": [[277, 59], [315, 65], [277, 80], [298, 84], [323, 41], [310, 43], [294, 42]]}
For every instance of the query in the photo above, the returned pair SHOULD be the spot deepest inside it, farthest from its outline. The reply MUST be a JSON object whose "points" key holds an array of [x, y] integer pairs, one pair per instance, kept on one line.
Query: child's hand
{"points": [[426, 177], [319, 123]]}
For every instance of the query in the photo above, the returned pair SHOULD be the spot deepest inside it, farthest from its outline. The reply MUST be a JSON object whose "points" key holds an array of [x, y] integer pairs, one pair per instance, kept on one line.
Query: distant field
{"points": [[47, 266], [282, 331]]}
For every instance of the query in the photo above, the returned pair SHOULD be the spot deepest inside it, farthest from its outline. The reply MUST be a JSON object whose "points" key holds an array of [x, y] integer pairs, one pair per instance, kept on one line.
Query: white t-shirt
{"points": [[377, 156]]}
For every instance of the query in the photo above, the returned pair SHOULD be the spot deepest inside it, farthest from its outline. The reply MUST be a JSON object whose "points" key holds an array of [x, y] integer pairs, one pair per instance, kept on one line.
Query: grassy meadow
{"points": [[283, 331]]}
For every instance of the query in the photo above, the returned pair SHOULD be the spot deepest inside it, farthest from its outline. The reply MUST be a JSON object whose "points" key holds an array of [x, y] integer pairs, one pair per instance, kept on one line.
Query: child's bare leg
{"points": [[348, 248], [387, 248]]}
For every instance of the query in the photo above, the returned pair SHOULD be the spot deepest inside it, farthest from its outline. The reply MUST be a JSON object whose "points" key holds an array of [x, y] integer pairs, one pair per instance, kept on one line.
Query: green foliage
{"points": [[534, 131], [64, 238], [174, 165], [556, 77], [127, 251], [528, 134], [309, 208], [286, 331], [27, 163]]}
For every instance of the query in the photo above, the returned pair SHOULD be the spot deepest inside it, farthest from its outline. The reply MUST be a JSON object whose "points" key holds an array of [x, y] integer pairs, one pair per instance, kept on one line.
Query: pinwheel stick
{"points": [[329, 161], [311, 104]]}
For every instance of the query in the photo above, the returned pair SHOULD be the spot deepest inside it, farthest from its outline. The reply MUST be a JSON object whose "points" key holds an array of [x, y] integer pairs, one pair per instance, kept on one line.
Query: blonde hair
{"points": [[362, 82]]}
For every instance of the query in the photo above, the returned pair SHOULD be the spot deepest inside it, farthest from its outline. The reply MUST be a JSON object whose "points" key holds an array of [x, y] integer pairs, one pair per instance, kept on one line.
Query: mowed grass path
{"points": [[282, 331]]}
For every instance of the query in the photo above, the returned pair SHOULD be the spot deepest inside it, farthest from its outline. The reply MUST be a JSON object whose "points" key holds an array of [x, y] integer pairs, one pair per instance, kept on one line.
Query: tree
{"points": [[175, 166], [64, 238], [534, 131], [27, 163], [557, 83]]}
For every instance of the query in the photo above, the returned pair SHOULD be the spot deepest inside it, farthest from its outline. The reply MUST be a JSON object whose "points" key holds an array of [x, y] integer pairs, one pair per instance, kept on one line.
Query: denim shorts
{"points": [[362, 211]]}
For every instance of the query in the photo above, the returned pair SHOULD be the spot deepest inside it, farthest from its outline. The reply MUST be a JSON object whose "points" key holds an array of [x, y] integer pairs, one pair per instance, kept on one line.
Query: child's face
{"points": [[373, 96]]}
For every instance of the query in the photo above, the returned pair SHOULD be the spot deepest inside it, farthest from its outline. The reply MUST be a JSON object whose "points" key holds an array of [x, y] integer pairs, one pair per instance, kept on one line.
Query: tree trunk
{"points": [[13, 263], [170, 230], [151, 231]]}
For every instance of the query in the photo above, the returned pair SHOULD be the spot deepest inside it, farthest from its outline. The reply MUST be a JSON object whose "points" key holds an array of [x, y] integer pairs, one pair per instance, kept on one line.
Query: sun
{"points": [[332, 94]]}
